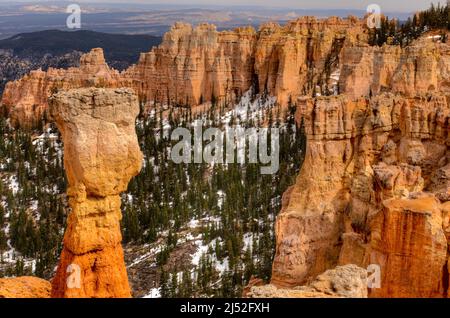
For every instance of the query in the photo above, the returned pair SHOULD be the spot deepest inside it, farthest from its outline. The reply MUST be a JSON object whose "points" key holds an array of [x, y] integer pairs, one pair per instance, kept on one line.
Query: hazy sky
{"points": [[386, 5], [391, 5]]}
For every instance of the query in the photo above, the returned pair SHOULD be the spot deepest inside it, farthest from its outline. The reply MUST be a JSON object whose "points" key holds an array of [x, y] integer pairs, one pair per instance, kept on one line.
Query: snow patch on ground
{"points": [[249, 108], [154, 293], [13, 184], [221, 197], [336, 75], [248, 240], [201, 249], [153, 251], [193, 224]]}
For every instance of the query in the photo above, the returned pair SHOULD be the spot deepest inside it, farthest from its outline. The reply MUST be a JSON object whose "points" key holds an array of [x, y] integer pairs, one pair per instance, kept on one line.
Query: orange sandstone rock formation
{"points": [[195, 65], [24, 287], [26, 99], [374, 189], [418, 68], [101, 155], [349, 281], [377, 166], [407, 240]]}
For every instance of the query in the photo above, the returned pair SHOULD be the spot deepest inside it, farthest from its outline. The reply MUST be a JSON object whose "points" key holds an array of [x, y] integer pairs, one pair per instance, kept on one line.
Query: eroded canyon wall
{"points": [[101, 155], [26, 100], [194, 65], [374, 189]]}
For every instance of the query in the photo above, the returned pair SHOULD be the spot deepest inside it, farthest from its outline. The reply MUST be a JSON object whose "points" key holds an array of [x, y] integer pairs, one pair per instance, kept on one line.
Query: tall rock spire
{"points": [[101, 155]]}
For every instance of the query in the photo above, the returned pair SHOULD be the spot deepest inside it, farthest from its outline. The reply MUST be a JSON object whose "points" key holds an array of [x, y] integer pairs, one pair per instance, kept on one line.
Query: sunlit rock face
{"points": [[374, 189], [195, 65], [349, 281], [101, 155], [24, 287], [26, 99]]}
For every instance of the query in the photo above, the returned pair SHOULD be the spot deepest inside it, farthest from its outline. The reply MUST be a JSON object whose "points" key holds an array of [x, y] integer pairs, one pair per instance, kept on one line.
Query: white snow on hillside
{"points": [[154, 293]]}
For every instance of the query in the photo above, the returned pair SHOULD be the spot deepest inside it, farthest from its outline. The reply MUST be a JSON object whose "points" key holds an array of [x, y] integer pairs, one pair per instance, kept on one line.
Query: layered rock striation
{"points": [[196, 65], [373, 190], [101, 155], [26, 99]]}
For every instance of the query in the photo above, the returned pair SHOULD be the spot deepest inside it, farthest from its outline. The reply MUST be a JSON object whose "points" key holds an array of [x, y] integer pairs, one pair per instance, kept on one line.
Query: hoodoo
{"points": [[373, 191], [194, 65], [374, 188], [101, 155]]}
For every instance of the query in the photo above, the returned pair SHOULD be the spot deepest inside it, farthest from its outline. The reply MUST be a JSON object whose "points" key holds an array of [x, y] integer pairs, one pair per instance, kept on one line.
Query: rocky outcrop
{"points": [[303, 57], [349, 281], [195, 65], [419, 68], [24, 287], [101, 155], [373, 190], [407, 240], [25, 100]]}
